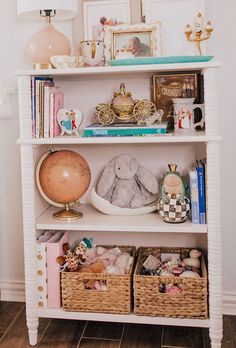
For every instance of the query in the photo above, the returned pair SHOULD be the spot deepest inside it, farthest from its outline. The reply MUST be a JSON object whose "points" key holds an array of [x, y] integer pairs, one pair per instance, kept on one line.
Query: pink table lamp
{"points": [[48, 41]]}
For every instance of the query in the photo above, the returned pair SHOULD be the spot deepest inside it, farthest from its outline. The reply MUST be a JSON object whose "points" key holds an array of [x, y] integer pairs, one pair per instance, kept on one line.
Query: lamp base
{"points": [[46, 43]]}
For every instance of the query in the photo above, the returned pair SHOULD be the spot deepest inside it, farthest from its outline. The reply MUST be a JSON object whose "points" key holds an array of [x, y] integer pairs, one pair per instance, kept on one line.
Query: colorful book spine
{"points": [[193, 180], [201, 193], [41, 260], [54, 249], [48, 89], [35, 103], [103, 132], [56, 103]]}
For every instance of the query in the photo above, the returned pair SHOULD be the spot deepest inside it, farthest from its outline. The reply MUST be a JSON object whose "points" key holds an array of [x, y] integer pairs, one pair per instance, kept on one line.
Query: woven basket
{"points": [[116, 299], [148, 300]]}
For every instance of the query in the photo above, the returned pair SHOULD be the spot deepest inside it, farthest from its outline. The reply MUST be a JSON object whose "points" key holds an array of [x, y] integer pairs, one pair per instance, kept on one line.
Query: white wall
{"points": [[12, 57]]}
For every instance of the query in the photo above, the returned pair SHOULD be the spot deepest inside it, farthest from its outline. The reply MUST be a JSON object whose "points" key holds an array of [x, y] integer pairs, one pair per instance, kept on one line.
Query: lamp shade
{"points": [[65, 9]]}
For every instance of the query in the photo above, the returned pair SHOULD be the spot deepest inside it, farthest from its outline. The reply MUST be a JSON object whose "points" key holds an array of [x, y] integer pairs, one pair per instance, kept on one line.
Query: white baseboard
{"points": [[12, 291], [229, 302], [15, 291]]}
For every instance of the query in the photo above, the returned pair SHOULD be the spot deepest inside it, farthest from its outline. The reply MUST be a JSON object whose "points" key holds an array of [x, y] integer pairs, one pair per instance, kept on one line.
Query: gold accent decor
{"points": [[199, 34], [67, 214], [123, 104], [43, 66], [172, 167]]}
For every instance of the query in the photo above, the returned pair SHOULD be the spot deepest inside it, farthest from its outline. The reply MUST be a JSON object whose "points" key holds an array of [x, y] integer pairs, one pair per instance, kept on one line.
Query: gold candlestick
{"points": [[199, 32]]}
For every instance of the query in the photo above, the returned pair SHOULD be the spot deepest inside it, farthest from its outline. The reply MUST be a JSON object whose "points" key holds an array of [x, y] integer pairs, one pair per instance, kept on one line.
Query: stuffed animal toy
{"points": [[193, 260], [107, 256], [127, 184], [122, 264], [81, 249], [96, 267], [69, 260]]}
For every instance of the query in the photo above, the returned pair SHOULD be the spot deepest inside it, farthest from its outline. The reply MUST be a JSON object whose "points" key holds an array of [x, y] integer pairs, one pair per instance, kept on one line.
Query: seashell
{"points": [[189, 274]]}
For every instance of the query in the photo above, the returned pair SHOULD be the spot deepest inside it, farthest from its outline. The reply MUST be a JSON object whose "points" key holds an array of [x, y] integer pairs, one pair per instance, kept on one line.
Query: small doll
{"points": [[173, 204]]}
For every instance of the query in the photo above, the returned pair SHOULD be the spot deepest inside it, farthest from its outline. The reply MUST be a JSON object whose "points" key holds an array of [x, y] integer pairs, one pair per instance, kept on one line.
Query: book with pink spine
{"points": [[54, 249], [56, 103]]}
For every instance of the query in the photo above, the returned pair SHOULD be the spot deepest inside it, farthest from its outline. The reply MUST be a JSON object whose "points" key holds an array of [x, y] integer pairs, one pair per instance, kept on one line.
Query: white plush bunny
{"points": [[127, 184]]}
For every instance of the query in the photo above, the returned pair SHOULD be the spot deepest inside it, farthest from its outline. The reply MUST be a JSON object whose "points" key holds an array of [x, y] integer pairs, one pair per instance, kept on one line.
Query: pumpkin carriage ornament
{"points": [[173, 204], [124, 109]]}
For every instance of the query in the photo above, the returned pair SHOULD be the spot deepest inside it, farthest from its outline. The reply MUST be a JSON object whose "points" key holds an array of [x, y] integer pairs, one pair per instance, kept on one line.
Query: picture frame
{"points": [[174, 15], [144, 40], [165, 87], [97, 14]]}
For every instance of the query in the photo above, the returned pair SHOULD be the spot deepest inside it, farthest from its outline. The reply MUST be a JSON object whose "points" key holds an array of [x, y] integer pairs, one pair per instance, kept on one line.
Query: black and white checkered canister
{"points": [[175, 210]]}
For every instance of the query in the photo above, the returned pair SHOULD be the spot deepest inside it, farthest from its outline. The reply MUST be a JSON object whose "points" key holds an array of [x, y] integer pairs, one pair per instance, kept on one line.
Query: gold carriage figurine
{"points": [[124, 109]]}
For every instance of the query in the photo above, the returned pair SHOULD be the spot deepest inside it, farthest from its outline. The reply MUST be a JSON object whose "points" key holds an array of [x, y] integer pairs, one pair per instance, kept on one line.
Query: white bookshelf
{"points": [[79, 86]]}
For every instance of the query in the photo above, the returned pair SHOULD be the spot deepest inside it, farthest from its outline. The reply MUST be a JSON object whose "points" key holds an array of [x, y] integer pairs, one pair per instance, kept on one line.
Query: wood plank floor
{"points": [[57, 333]]}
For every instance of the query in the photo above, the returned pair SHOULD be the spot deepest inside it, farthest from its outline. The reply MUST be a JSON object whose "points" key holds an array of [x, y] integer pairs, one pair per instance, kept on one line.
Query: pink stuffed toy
{"points": [[107, 256]]}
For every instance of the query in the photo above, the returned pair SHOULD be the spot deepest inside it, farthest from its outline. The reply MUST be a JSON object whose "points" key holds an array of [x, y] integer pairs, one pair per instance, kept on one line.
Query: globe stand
{"points": [[67, 214]]}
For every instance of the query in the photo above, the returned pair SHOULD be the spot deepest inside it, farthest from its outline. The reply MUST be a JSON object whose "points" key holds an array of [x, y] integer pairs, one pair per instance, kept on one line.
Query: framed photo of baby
{"points": [[98, 14], [134, 40]]}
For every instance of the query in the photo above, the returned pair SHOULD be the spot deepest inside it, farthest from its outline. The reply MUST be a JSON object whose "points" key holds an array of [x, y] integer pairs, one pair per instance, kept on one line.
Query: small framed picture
{"points": [[136, 40], [98, 14], [165, 87]]}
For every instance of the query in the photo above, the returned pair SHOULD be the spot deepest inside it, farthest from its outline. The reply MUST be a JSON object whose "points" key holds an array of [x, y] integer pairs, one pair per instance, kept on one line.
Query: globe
{"points": [[63, 177]]}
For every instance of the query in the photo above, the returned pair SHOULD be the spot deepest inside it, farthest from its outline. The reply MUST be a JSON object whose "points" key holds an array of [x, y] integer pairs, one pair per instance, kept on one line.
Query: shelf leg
{"points": [[214, 243], [27, 170], [32, 325]]}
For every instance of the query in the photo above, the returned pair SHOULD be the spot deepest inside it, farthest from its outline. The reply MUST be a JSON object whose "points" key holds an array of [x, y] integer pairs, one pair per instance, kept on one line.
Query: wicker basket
{"points": [[191, 302], [116, 299]]}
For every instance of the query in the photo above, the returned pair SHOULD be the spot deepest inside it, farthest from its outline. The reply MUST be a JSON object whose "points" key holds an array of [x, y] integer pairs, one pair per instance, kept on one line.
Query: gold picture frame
{"points": [[142, 39], [165, 87]]}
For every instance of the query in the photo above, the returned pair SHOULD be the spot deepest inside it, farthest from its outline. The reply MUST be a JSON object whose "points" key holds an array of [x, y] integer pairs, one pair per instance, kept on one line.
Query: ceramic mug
{"points": [[93, 52], [184, 113]]}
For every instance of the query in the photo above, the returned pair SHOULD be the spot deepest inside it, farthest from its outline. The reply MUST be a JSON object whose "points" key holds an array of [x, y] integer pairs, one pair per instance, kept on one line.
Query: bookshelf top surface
{"points": [[118, 69]]}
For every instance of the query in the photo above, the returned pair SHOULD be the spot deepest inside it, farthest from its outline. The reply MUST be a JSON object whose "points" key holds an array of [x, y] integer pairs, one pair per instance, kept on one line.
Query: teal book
{"points": [[96, 130]]}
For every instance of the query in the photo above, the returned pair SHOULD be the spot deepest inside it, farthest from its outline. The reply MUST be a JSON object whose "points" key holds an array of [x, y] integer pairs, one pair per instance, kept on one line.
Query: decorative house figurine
{"points": [[173, 204], [69, 121]]}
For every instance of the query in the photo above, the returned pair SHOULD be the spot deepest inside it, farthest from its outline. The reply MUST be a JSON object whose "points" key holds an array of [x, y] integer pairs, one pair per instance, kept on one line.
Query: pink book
{"points": [[56, 103], [54, 249]]}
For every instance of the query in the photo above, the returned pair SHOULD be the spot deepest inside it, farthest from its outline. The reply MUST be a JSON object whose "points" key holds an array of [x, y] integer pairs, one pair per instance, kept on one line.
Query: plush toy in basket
{"points": [[173, 204], [99, 280], [126, 187]]}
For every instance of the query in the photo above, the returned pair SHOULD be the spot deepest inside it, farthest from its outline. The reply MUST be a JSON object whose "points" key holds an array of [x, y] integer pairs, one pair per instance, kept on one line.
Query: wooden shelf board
{"points": [[122, 318], [93, 220], [85, 71], [178, 137]]}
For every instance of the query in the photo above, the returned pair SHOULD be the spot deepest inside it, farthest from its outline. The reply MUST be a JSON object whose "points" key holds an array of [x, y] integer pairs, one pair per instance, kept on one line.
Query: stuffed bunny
{"points": [[127, 184]]}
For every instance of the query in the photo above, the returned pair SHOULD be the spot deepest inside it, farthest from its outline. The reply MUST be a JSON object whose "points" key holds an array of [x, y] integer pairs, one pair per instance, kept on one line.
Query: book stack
{"points": [[47, 99], [197, 179], [48, 248], [123, 129]]}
